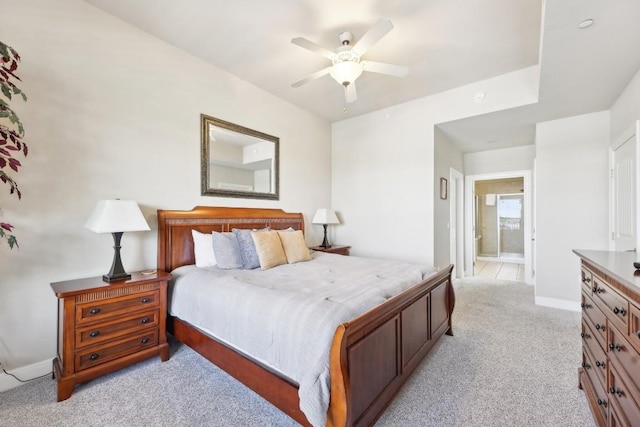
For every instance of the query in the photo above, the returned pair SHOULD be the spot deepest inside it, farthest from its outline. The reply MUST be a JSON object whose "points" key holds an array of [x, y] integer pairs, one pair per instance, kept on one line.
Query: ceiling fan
{"points": [[346, 60]]}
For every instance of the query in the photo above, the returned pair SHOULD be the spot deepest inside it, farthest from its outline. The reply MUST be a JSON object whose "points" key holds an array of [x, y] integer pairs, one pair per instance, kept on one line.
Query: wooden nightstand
{"points": [[335, 249], [103, 327]]}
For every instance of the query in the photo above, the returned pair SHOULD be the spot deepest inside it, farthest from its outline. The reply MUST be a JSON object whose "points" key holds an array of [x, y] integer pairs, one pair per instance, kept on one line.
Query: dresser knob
{"points": [[585, 335], [94, 333], [638, 334], [94, 311], [594, 289], [599, 364], [144, 300], [586, 280], [621, 311], [614, 346], [585, 305], [144, 340], [616, 391], [145, 320], [94, 356], [602, 403], [598, 327], [586, 365]]}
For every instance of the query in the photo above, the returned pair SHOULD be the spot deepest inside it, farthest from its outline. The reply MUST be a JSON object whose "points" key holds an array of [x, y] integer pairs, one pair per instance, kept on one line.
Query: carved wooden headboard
{"points": [[175, 243]]}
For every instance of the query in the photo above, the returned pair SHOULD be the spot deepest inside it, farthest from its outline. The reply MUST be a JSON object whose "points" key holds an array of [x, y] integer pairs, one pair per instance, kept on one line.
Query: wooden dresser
{"points": [[103, 327], [610, 368]]}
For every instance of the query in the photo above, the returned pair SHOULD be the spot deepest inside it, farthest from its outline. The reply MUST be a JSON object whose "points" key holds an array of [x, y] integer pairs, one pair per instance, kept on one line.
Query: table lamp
{"points": [[325, 216], [116, 217]]}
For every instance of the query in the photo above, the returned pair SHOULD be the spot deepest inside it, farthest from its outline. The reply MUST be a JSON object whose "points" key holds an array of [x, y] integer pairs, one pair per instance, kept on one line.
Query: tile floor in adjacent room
{"points": [[499, 270]]}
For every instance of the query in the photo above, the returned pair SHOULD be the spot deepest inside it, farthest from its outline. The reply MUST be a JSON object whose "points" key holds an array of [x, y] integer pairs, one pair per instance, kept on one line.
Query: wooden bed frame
{"points": [[371, 355]]}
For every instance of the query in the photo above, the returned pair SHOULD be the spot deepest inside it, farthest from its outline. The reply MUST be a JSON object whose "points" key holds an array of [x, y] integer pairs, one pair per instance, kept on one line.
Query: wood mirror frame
{"points": [[229, 168]]}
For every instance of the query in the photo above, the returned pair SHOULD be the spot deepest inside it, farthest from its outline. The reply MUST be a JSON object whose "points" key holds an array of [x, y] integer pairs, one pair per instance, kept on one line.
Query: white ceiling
{"points": [[445, 44]]}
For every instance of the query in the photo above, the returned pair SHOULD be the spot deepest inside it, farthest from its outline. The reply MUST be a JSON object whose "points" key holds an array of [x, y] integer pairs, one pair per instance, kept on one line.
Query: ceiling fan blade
{"points": [[384, 68], [315, 48], [371, 37], [313, 76], [350, 92]]}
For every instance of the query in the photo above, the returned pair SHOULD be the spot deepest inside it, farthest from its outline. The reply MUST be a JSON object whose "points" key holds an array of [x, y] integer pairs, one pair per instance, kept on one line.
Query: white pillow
{"points": [[203, 249]]}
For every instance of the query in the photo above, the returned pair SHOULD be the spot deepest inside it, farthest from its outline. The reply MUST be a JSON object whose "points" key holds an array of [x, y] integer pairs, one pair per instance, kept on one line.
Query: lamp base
{"points": [[325, 243], [117, 271], [115, 277]]}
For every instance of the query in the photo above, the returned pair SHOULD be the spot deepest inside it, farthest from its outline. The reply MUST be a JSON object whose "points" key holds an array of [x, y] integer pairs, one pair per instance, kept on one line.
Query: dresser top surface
{"points": [[619, 265]]}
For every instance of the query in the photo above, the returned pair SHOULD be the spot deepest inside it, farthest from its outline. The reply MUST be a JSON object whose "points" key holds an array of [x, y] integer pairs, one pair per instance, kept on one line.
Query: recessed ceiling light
{"points": [[586, 23]]}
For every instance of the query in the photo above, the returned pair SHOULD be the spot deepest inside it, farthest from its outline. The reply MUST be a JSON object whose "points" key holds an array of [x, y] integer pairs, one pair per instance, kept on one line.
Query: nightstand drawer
{"points": [[104, 331], [98, 310], [114, 350]]}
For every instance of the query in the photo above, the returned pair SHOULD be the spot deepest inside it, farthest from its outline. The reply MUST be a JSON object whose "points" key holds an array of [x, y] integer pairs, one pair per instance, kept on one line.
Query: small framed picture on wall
{"points": [[443, 188]]}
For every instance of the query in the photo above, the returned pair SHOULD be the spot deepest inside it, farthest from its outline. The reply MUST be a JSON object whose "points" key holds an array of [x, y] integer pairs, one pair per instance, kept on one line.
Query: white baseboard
{"points": [[25, 373], [558, 303]]}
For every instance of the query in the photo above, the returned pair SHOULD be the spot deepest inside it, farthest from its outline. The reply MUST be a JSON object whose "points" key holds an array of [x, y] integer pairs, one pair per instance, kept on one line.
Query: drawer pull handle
{"points": [[586, 280], [585, 335], [144, 340], [585, 305], [585, 365], [94, 356], [600, 364], [598, 327], [145, 320], [602, 403], [145, 300], [94, 333], [617, 391], [94, 311], [614, 346], [621, 311], [598, 290]]}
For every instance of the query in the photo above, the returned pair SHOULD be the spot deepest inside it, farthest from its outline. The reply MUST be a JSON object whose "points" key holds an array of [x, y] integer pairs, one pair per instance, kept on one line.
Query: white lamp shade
{"points": [[325, 216], [115, 216]]}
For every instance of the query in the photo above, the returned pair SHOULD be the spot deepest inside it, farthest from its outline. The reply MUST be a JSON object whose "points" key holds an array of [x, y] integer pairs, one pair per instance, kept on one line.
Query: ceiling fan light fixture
{"points": [[346, 72]]}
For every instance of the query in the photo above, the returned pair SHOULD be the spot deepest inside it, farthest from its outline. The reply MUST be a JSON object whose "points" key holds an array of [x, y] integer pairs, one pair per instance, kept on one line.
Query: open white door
{"points": [[624, 202]]}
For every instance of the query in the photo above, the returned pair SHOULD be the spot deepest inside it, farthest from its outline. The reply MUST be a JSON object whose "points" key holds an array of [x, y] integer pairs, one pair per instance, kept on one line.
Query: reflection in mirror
{"points": [[237, 161]]}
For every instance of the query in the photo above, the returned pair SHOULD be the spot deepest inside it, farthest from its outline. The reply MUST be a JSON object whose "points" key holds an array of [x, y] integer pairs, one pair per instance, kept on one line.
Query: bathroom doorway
{"points": [[499, 228]]}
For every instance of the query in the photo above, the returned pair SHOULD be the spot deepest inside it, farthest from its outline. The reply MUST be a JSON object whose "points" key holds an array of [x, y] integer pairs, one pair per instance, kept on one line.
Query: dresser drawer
{"points": [[589, 339], [96, 355], [103, 331], [601, 396], [614, 305], [634, 326], [586, 279], [624, 397], [598, 362], [98, 310], [625, 355], [596, 317]]}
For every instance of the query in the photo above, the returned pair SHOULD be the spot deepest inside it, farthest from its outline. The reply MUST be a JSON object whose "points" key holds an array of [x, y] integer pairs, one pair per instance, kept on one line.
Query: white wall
{"points": [[446, 156], [502, 160], [114, 112], [383, 166], [626, 110], [571, 199]]}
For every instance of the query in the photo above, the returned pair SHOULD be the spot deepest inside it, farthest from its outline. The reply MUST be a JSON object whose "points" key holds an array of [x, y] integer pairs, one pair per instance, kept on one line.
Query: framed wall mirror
{"points": [[237, 161]]}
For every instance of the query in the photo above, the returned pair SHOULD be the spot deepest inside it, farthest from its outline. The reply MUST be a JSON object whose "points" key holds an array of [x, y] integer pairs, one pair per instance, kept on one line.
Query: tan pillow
{"points": [[294, 246], [269, 249]]}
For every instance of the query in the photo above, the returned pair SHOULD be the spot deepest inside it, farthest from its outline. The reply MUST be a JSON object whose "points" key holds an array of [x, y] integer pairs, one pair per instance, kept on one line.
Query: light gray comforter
{"points": [[286, 317]]}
